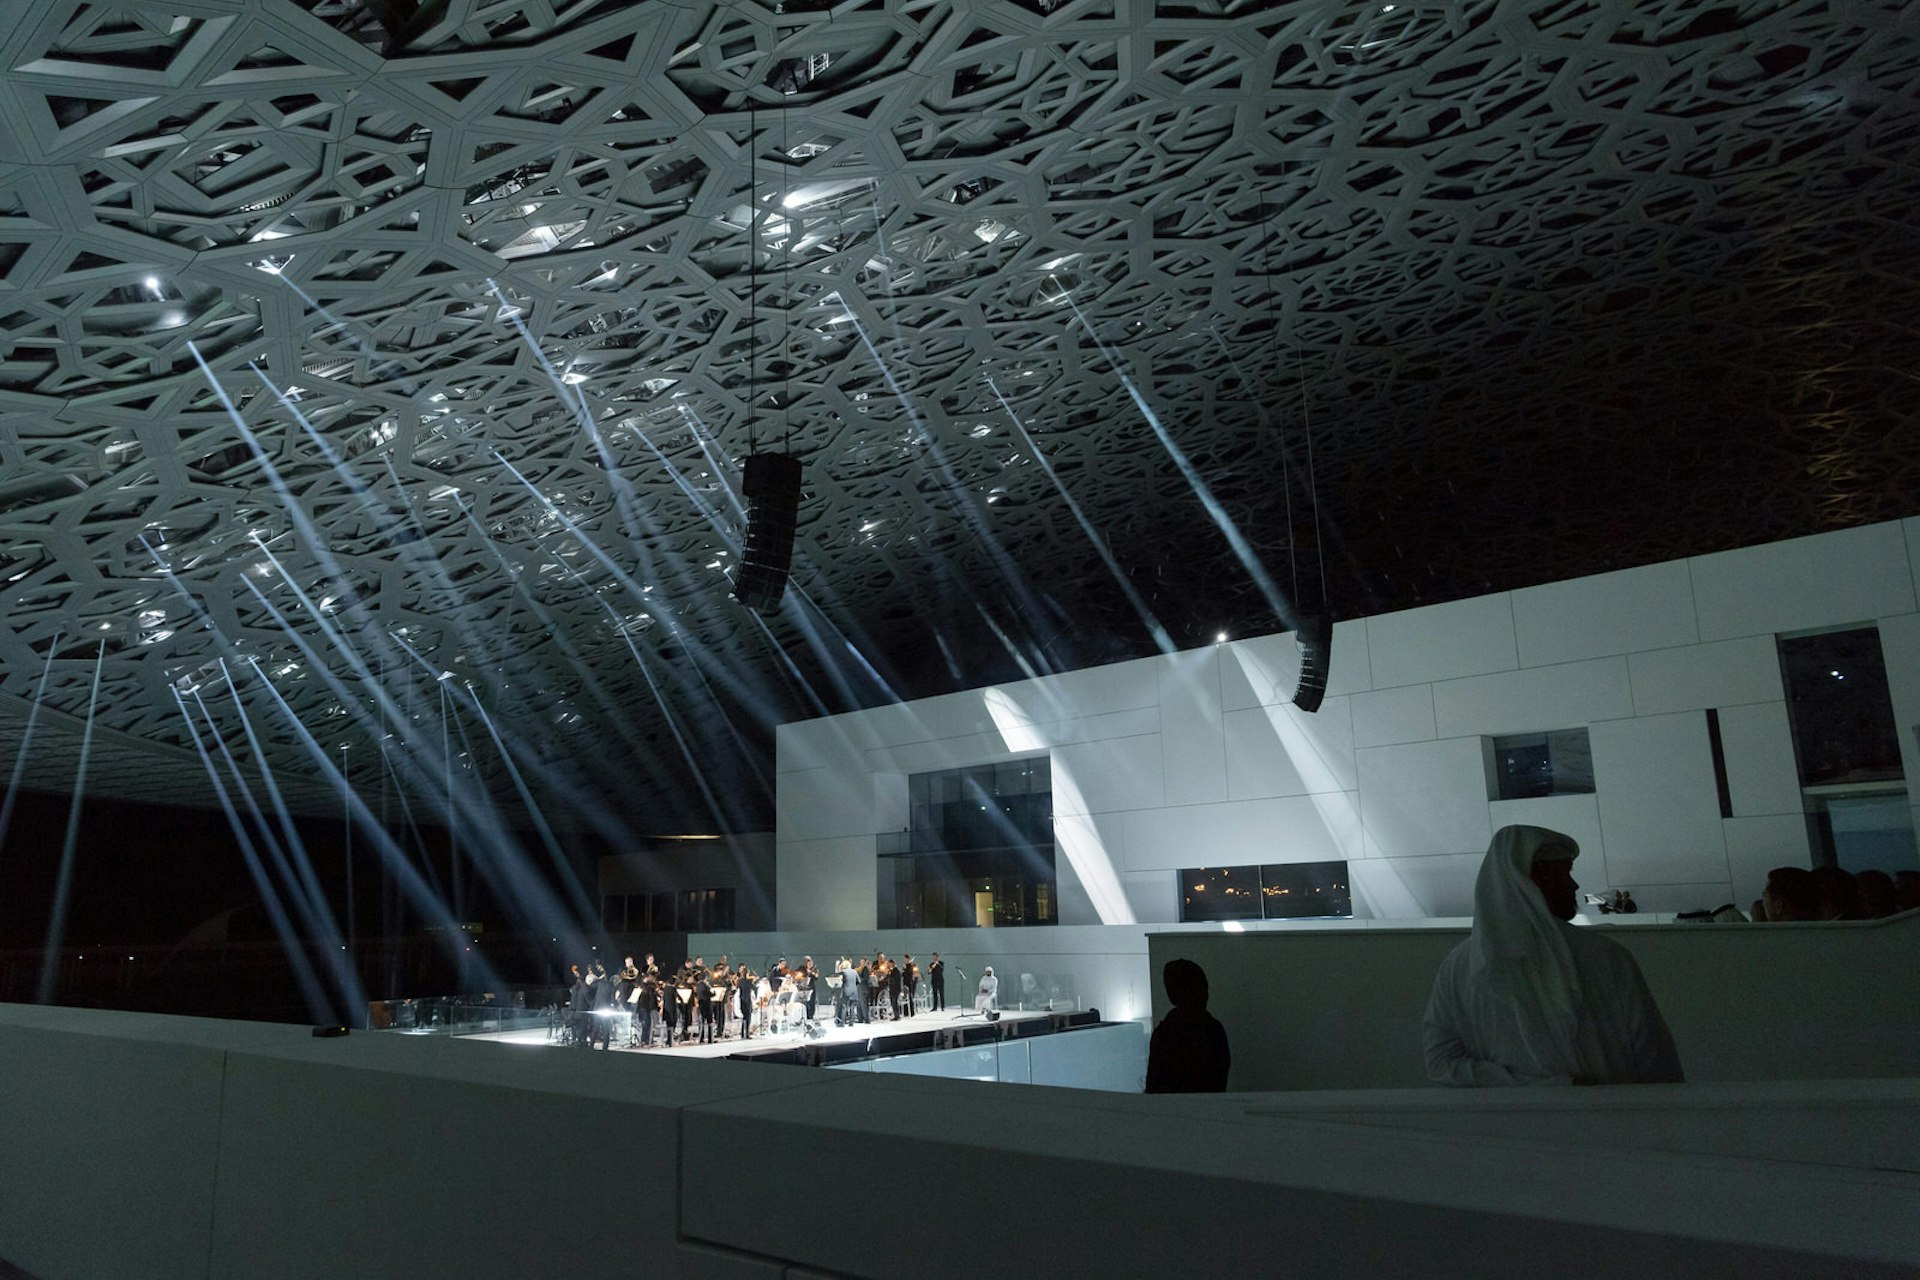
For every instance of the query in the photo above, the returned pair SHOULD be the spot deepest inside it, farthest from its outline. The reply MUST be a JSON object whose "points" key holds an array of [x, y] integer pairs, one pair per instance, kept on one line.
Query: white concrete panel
{"points": [[1350, 669], [1013, 738], [1119, 686], [1262, 670], [1756, 846], [1443, 641], [1699, 676], [1577, 816], [1650, 607], [1089, 857], [1153, 895], [1283, 751], [1900, 646], [1912, 528], [1533, 699], [950, 715], [812, 803], [1659, 806], [1383, 717], [1414, 888], [1424, 798], [826, 884], [1847, 575], [1193, 751], [823, 743], [1101, 777], [1319, 828], [1757, 743]]}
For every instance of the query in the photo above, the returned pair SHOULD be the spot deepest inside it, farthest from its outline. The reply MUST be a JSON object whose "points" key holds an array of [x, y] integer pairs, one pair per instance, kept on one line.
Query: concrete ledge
{"points": [[164, 1147]]}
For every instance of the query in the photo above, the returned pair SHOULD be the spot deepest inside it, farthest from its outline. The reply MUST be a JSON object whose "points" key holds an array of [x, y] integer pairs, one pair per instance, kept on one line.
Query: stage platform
{"points": [[825, 1043]]}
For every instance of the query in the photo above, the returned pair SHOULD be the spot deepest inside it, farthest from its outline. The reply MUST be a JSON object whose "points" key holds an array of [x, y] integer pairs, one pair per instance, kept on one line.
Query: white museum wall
{"points": [[1197, 758], [150, 1146]]}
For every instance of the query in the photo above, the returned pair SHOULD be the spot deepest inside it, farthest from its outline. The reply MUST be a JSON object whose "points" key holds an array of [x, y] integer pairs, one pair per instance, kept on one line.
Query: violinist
{"points": [[893, 989], [912, 974]]}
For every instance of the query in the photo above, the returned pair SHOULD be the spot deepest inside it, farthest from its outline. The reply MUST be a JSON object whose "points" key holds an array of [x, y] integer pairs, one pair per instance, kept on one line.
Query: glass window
{"points": [[1843, 726], [1220, 893], [1555, 763], [1298, 890]]}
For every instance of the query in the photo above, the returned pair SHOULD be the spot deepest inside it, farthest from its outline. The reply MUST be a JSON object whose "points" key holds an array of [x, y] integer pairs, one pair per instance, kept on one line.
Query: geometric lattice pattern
{"points": [[348, 345]]}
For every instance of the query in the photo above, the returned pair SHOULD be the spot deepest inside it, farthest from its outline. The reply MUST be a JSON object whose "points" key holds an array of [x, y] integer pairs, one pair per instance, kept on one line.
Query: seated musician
{"points": [[988, 998]]}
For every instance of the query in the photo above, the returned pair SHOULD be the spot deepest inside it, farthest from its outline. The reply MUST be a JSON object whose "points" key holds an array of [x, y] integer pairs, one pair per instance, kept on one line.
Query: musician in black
{"points": [[684, 981], [643, 1011], [703, 998], [893, 989], [911, 972], [579, 1006], [601, 1017], [937, 974], [809, 979]]}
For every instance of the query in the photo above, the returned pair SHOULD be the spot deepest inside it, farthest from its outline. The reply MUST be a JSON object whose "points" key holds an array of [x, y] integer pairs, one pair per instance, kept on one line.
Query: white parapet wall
{"points": [[1325, 1009], [158, 1147], [1198, 758]]}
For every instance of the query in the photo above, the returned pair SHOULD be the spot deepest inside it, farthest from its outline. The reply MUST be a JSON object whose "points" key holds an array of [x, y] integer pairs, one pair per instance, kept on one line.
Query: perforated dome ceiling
{"points": [[1055, 301]]}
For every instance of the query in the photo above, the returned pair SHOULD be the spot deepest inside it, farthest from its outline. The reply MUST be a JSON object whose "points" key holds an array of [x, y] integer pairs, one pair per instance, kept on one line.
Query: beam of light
{"points": [[26, 741], [1158, 633], [695, 650], [582, 903], [57, 925], [318, 1007], [1327, 774], [1250, 561], [428, 898], [969, 512], [701, 432], [815, 622], [454, 814], [664, 617], [396, 858], [319, 911], [667, 714], [1074, 831]]}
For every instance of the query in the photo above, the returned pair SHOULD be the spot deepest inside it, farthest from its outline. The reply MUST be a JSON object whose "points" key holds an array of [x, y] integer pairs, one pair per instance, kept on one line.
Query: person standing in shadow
{"points": [[1188, 1052]]}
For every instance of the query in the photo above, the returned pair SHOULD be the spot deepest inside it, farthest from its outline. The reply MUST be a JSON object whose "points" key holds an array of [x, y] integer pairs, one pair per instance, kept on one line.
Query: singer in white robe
{"points": [[1530, 999], [989, 990]]}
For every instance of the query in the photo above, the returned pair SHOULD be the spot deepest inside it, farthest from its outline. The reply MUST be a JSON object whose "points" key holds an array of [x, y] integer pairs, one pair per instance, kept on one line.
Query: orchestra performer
{"points": [[643, 1011], [989, 992], [893, 989], [863, 991], [600, 1020], [912, 975], [937, 972], [809, 983], [703, 1000]]}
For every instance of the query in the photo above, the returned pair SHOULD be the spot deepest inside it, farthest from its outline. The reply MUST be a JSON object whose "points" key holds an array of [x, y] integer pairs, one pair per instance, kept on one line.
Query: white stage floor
{"points": [[877, 1033]]}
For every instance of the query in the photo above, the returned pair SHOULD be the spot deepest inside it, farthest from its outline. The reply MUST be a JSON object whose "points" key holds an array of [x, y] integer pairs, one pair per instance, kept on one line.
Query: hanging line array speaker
{"points": [[1315, 638], [772, 491]]}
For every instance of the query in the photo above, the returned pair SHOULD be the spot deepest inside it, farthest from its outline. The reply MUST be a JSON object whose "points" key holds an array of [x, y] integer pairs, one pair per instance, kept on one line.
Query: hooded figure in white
{"points": [[1528, 998]]}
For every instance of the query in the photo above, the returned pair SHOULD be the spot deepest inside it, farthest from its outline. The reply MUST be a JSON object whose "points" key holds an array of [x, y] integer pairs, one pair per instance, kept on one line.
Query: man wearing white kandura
{"points": [[1530, 999], [989, 990]]}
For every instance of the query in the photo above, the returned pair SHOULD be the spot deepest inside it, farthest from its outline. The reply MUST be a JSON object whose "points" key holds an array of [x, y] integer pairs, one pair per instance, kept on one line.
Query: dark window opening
{"points": [[1275, 891], [1555, 763]]}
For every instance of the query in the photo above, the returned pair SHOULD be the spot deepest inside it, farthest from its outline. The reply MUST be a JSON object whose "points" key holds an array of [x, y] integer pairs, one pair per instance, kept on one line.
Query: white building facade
{"points": [[1672, 671]]}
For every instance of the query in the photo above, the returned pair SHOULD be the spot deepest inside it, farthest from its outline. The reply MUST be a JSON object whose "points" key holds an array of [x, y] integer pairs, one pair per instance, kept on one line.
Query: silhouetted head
{"points": [[1790, 895], [1875, 888], [1186, 984]]}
